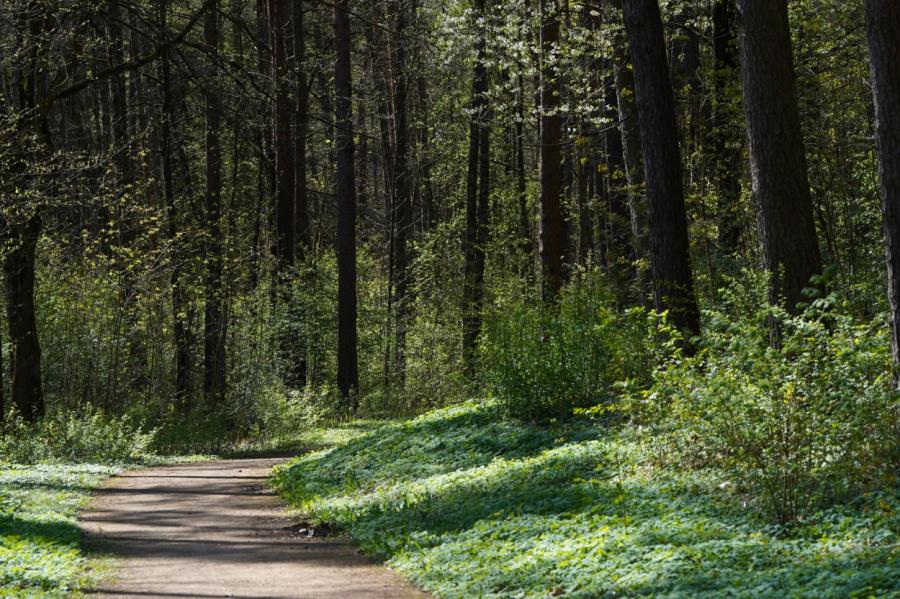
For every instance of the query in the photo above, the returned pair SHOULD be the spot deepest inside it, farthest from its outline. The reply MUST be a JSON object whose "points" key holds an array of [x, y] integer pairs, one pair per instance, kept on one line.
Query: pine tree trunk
{"points": [[284, 154], [727, 149], [302, 231], [551, 231], [213, 338], [883, 32], [670, 261], [25, 355], [476, 198], [348, 372], [778, 170]]}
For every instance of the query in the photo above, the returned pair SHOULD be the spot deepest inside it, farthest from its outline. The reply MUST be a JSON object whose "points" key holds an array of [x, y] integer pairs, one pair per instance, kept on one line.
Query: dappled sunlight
{"points": [[503, 508]]}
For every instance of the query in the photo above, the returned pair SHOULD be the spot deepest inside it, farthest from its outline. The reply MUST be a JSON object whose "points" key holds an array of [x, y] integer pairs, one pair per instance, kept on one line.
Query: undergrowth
{"points": [[468, 505]]}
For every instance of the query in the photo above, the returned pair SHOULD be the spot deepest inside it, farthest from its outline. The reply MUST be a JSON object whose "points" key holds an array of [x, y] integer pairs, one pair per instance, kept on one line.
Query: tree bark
{"points": [[477, 193], [778, 169], [302, 230], [25, 355], [402, 204], [670, 261], [284, 149], [883, 32], [727, 147], [348, 372], [551, 155], [214, 326]]}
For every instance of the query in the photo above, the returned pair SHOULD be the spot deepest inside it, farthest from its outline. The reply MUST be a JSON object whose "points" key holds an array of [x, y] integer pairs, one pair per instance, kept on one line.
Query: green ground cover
{"points": [[40, 553], [469, 505]]}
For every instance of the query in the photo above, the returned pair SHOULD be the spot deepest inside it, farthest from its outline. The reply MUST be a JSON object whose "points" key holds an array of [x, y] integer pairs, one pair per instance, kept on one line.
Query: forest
{"points": [[521, 298]]}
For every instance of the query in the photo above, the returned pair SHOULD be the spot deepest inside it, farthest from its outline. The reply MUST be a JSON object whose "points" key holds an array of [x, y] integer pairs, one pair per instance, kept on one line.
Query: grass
{"points": [[468, 505], [40, 554]]}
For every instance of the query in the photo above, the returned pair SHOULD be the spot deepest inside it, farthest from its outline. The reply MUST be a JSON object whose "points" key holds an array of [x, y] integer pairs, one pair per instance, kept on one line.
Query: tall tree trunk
{"points": [[179, 305], [284, 154], [348, 372], [551, 155], [301, 125], [476, 196], [402, 205], [883, 32], [214, 326], [727, 148], [778, 170], [25, 357], [670, 261]]}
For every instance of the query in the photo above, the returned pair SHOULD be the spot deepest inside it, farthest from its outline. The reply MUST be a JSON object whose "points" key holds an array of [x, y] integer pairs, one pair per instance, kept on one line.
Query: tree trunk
{"points": [[402, 204], [301, 125], [284, 155], [670, 261], [551, 155], [727, 147], [778, 170], [25, 357], [179, 305], [347, 375], [213, 337], [476, 197], [883, 32]]}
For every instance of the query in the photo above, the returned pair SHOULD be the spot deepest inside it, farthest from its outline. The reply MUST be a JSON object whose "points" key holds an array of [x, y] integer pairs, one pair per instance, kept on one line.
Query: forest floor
{"points": [[215, 529]]}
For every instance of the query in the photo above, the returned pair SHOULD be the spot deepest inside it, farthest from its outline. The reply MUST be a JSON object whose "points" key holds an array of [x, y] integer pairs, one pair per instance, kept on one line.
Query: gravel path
{"points": [[215, 529]]}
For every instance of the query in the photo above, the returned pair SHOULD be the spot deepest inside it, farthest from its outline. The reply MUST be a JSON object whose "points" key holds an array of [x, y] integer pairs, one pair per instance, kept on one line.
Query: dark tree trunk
{"points": [[726, 144], [787, 230], [551, 233], [25, 357], [348, 374], [476, 197], [179, 305], [214, 326], [883, 30], [521, 187], [301, 125], [402, 204], [670, 261], [284, 149]]}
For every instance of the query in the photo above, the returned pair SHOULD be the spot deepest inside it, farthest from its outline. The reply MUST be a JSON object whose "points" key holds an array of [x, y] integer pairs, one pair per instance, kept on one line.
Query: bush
{"points": [[544, 364], [797, 428], [83, 435]]}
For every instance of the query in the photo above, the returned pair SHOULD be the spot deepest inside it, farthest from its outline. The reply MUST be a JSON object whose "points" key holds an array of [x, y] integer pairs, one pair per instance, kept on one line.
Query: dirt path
{"points": [[215, 529]]}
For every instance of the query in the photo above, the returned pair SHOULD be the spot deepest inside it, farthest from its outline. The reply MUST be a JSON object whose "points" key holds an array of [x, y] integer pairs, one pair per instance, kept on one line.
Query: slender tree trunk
{"points": [[402, 205], [670, 260], [213, 338], [883, 32], [476, 197], [551, 231], [284, 155], [301, 125], [179, 305], [778, 170], [348, 375], [727, 148]]}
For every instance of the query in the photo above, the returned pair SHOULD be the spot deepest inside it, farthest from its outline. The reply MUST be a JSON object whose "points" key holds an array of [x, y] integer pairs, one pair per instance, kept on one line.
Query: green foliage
{"points": [[468, 505], [797, 427], [83, 435], [39, 535], [544, 362]]}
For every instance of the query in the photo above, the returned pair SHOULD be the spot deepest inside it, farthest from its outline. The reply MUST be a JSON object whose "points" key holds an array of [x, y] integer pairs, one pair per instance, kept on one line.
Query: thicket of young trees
{"points": [[211, 205]]}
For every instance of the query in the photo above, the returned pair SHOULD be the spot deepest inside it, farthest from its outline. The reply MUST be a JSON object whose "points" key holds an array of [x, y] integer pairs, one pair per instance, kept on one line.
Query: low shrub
{"points": [[544, 363], [83, 435], [798, 427]]}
